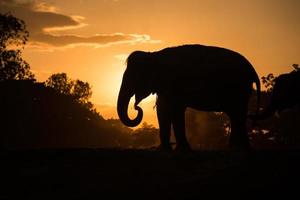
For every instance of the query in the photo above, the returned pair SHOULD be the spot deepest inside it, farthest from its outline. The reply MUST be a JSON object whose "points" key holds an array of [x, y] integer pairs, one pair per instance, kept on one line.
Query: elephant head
{"points": [[136, 82]]}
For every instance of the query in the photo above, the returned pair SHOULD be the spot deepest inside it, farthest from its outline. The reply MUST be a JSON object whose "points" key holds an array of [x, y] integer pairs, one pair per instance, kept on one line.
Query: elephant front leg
{"points": [[164, 121], [178, 122]]}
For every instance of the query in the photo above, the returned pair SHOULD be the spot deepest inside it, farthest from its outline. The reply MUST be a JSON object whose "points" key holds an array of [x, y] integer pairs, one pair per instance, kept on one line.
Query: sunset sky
{"points": [[90, 39]]}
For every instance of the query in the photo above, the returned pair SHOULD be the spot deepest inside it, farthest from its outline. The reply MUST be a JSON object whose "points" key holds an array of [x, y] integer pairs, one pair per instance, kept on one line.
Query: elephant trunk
{"points": [[122, 108]]}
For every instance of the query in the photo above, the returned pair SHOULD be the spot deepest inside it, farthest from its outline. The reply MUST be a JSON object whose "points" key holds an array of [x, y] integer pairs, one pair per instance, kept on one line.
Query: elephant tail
{"points": [[258, 96], [258, 93]]}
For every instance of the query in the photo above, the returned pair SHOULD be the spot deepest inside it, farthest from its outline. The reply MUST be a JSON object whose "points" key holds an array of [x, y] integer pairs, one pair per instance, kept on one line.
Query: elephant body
{"points": [[201, 77]]}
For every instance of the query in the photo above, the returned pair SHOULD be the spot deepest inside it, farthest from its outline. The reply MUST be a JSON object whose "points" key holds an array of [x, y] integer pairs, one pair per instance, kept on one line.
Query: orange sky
{"points": [[90, 39]]}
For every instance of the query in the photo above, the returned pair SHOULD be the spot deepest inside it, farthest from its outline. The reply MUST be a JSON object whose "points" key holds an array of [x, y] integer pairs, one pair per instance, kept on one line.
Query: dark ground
{"points": [[147, 174]]}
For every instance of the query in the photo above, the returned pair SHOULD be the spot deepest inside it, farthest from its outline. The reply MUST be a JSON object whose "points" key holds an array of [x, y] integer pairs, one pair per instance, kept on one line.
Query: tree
{"points": [[269, 81], [79, 90], [145, 137], [296, 67], [82, 91], [60, 82], [13, 37]]}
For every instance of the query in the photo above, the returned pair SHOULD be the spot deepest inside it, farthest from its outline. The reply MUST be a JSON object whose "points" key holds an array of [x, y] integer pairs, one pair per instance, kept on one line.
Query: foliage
{"points": [[13, 34], [79, 90], [296, 67], [269, 81], [118, 125], [36, 116], [13, 31], [82, 91], [60, 82], [145, 137]]}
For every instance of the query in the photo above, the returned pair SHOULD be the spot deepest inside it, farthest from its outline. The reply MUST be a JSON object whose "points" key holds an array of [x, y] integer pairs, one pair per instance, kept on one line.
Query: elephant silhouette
{"points": [[285, 95], [202, 77]]}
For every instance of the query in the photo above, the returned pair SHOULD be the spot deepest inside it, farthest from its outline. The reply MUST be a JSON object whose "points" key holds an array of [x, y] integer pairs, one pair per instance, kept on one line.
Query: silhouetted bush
{"points": [[36, 116], [145, 137]]}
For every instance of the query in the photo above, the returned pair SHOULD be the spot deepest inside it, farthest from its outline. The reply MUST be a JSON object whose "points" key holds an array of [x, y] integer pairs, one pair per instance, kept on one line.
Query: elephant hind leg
{"points": [[238, 139]]}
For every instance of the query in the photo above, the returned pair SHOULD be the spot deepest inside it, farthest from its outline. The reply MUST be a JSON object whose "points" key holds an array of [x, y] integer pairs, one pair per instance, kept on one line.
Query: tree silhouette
{"points": [[79, 90], [82, 91], [296, 67], [13, 37], [36, 116], [56, 113], [145, 137], [60, 82], [269, 81]]}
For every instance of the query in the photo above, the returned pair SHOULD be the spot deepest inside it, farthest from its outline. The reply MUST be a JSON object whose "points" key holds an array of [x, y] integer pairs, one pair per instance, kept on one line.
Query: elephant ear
{"points": [[136, 60], [156, 72], [151, 73], [142, 65]]}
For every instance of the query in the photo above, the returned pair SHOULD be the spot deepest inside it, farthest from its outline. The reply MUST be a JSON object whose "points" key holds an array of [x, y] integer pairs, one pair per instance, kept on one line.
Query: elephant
{"points": [[205, 78], [285, 95]]}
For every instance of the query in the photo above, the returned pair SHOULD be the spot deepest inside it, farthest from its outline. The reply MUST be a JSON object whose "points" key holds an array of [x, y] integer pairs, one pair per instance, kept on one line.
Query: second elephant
{"points": [[285, 95]]}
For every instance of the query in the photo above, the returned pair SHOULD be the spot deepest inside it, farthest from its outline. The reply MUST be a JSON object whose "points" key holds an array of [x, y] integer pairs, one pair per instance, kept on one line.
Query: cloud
{"points": [[39, 16], [99, 40], [45, 23]]}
